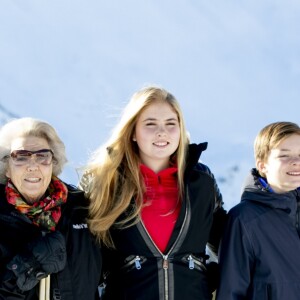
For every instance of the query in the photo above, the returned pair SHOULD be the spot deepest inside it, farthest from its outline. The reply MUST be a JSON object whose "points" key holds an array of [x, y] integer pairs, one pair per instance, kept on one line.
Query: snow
{"points": [[234, 67]]}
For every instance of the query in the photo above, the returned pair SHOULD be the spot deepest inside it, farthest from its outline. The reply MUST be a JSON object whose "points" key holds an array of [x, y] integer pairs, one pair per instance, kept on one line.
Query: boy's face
{"points": [[282, 168]]}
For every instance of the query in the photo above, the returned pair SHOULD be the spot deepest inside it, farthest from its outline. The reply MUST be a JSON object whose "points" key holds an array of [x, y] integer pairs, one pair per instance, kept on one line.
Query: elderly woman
{"points": [[42, 219]]}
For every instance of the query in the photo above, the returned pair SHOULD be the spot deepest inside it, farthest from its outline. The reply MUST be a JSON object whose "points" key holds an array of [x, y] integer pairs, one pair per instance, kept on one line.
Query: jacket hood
{"points": [[256, 191], [194, 153]]}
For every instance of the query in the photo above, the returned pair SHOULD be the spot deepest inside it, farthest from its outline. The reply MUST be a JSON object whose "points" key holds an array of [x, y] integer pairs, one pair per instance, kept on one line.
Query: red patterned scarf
{"points": [[45, 212]]}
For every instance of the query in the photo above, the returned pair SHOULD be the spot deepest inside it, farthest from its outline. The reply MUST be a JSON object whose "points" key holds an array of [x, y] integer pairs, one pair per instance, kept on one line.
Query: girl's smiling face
{"points": [[157, 134]]}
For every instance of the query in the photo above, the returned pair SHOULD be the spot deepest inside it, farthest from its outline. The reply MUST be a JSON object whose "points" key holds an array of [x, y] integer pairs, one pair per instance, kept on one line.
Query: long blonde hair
{"points": [[112, 177]]}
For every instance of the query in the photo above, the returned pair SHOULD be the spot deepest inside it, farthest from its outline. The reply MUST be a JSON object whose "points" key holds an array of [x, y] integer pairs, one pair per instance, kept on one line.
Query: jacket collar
{"points": [[257, 190], [193, 156]]}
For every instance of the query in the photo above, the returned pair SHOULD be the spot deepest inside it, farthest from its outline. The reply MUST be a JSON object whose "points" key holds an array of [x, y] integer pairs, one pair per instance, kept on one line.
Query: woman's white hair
{"points": [[28, 127]]}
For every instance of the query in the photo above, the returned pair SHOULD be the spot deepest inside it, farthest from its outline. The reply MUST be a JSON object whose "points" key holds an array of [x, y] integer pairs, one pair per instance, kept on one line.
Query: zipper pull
{"points": [[191, 262], [165, 262], [137, 262]]}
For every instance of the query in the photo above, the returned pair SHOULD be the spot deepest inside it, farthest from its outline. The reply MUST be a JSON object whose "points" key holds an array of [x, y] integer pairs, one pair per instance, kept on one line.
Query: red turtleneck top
{"points": [[161, 204]]}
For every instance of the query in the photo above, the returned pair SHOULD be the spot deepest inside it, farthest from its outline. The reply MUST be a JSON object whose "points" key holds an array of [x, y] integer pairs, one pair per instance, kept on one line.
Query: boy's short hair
{"points": [[270, 136]]}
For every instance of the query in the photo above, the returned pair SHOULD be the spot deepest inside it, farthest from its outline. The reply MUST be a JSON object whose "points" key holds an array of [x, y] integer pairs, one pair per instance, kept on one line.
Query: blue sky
{"points": [[233, 65]]}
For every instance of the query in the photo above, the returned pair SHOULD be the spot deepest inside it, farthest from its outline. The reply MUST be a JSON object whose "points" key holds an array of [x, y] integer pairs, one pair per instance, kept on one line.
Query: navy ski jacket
{"points": [[260, 250]]}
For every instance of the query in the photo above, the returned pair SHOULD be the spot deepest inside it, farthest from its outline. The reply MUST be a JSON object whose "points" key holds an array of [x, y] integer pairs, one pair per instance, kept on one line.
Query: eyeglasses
{"points": [[23, 157]]}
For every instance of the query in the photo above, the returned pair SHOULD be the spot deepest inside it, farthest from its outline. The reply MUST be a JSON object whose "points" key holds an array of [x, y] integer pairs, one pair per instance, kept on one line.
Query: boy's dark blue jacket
{"points": [[260, 250]]}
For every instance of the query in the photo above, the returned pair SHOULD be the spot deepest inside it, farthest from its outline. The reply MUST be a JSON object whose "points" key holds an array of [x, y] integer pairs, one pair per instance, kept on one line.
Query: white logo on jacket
{"points": [[80, 226]]}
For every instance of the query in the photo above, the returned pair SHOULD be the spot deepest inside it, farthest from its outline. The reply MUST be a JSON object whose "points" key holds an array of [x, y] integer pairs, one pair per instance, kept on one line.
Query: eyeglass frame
{"points": [[29, 153]]}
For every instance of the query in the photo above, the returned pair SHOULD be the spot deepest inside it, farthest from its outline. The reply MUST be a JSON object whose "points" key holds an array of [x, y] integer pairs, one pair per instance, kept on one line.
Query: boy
{"points": [[260, 251]]}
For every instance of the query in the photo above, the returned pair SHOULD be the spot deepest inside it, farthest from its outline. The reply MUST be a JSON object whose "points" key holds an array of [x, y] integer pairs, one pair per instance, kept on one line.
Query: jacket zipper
{"points": [[165, 257], [134, 260], [166, 276], [165, 262], [137, 262], [195, 263], [191, 262]]}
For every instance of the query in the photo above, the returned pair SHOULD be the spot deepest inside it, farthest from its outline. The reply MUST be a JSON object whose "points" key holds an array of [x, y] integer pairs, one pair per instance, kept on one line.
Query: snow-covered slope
{"points": [[234, 66]]}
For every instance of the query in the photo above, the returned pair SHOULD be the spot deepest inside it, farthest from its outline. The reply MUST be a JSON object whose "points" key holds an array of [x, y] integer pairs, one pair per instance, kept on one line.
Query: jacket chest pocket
{"points": [[193, 262], [133, 262]]}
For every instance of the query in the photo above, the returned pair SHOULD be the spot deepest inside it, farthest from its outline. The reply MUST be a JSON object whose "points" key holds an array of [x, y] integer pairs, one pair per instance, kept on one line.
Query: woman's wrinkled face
{"points": [[33, 178], [157, 134]]}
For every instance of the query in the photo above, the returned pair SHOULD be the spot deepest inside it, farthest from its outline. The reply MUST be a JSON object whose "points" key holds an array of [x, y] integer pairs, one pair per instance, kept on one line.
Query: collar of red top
{"points": [[166, 177]]}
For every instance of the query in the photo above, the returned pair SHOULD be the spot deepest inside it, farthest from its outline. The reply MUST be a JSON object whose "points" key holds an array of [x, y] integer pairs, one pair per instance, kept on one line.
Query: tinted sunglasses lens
{"points": [[44, 158], [23, 157], [20, 157]]}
